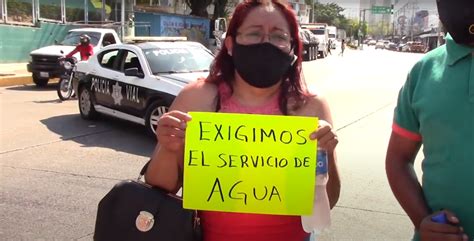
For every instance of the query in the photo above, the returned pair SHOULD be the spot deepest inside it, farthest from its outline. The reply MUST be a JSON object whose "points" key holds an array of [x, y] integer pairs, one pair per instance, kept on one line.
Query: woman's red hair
{"points": [[222, 69]]}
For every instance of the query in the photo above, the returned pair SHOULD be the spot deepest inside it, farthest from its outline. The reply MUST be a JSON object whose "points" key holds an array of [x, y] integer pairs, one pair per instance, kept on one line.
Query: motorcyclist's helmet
{"points": [[85, 39]]}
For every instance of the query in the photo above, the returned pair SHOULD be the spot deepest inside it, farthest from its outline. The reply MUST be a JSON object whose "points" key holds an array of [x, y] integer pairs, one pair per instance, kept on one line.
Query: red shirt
{"points": [[224, 226], [84, 50]]}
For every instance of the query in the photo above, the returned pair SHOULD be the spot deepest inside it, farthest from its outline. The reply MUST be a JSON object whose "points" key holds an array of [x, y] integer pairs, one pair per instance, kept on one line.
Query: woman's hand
{"points": [[171, 129], [433, 231], [326, 136]]}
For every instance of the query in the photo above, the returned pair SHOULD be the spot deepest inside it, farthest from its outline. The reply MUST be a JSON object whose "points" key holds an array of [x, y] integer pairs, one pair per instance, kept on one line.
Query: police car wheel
{"points": [[153, 114], [86, 106], [40, 82]]}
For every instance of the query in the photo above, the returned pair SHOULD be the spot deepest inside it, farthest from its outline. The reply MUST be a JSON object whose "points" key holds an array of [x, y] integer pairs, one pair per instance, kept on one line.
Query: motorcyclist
{"points": [[85, 48]]}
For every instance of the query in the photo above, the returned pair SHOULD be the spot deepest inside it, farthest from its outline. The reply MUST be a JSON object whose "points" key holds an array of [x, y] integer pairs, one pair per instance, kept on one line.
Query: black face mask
{"points": [[457, 17], [261, 65]]}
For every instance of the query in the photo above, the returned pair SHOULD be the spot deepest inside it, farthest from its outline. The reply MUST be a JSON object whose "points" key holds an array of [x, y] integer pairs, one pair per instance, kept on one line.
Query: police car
{"points": [[138, 82]]}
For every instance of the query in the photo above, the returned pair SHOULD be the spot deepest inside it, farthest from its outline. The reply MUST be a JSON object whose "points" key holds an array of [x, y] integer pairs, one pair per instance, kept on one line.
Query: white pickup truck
{"points": [[44, 63]]}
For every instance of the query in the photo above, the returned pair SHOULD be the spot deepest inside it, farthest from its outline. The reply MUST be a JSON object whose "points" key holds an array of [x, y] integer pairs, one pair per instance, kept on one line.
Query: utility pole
{"points": [[413, 8], [359, 33]]}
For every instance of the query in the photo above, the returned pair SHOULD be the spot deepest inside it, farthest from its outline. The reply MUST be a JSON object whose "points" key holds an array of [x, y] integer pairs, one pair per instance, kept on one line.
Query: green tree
{"points": [[220, 7], [330, 13], [380, 29], [199, 7]]}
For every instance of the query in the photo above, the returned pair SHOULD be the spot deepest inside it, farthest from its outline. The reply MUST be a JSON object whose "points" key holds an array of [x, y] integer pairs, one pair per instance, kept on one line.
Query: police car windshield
{"points": [[73, 38], [178, 60]]}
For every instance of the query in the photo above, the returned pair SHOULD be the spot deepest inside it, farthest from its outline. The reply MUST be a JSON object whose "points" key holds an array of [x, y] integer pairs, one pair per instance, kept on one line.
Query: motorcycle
{"points": [[65, 87]]}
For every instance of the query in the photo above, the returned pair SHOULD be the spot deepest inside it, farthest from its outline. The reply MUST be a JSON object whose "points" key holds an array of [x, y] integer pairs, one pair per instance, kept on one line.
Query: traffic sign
{"points": [[381, 10]]}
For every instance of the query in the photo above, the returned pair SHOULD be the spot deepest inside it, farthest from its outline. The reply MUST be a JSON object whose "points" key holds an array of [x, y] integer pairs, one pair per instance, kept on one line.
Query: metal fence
{"points": [[30, 12]]}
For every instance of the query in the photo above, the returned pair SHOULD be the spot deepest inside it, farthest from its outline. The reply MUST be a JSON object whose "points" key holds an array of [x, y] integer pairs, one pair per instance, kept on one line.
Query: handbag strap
{"points": [[196, 219], [143, 171]]}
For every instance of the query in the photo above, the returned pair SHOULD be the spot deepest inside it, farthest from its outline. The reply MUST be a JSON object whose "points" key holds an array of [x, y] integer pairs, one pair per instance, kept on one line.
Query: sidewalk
{"points": [[14, 74]]}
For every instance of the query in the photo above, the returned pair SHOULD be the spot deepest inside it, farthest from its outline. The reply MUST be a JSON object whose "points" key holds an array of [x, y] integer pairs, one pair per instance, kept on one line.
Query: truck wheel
{"points": [[86, 105], [153, 113], [40, 82]]}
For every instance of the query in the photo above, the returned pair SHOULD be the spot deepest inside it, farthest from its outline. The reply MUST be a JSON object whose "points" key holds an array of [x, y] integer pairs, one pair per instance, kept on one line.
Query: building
{"points": [[378, 24], [302, 11], [417, 20]]}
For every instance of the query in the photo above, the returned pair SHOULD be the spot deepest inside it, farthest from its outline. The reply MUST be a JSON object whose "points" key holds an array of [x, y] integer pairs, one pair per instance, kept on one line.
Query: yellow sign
{"points": [[250, 163]]}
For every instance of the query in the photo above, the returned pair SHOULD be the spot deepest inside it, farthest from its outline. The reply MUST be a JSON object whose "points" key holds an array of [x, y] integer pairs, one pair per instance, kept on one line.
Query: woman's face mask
{"points": [[457, 17], [261, 65]]}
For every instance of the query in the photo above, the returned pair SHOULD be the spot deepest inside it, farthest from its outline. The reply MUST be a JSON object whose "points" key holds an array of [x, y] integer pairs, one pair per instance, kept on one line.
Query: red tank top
{"points": [[223, 226]]}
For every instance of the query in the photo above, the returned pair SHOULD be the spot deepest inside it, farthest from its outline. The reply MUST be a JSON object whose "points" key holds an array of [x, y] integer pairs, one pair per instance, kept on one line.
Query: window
{"points": [[75, 11], [50, 9], [318, 31], [108, 59], [20, 11], [2, 11], [178, 60], [73, 38], [130, 61]]}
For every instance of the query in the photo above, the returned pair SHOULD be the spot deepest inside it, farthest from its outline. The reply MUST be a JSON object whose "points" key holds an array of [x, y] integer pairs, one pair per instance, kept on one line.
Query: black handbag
{"points": [[136, 211]]}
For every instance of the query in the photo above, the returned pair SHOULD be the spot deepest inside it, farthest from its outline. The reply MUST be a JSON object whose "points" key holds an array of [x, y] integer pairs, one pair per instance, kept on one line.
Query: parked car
{"points": [[416, 47], [392, 46], [138, 82], [45, 63], [372, 42], [380, 45], [402, 47]]}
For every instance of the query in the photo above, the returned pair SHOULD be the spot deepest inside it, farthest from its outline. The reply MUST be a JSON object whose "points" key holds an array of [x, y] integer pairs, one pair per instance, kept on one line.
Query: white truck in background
{"points": [[45, 64], [332, 33], [321, 32]]}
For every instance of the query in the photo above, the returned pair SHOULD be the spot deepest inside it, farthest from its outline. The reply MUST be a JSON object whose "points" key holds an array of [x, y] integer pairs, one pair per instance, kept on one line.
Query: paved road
{"points": [[55, 166], [361, 88]]}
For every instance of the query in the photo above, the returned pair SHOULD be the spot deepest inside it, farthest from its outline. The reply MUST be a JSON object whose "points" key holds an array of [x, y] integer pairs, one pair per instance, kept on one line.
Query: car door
{"points": [[133, 94], [103, 77]]}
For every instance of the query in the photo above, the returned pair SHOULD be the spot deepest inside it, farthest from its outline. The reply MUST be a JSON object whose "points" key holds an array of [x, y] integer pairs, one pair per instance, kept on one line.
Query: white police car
{"points": [[138, 82]]}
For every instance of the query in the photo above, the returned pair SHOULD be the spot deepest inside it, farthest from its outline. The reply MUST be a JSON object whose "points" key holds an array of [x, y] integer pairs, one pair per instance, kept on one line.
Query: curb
{"points": [[15, 80]]}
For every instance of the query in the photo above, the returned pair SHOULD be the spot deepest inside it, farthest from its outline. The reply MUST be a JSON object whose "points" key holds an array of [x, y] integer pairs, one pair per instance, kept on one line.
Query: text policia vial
{"points": [[218, 132]]}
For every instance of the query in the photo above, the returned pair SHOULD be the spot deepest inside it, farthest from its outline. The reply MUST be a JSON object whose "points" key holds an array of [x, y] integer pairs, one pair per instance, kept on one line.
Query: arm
{"points": [[166, 166], [69, 55], [327, 139], [401, 176], [408, 191], [329, 142]]}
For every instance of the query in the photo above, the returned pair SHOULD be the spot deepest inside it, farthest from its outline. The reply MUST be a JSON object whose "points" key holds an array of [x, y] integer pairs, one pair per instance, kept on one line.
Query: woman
{"points": [[257, 71], [343, 47]]}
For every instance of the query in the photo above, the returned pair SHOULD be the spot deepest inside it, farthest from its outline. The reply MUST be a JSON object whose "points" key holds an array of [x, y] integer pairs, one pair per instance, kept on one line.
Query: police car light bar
{"points": [[142, 39]]}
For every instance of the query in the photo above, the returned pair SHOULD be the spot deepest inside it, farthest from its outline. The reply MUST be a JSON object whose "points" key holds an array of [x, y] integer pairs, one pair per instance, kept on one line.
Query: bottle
{"points": [[320, 218]]}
